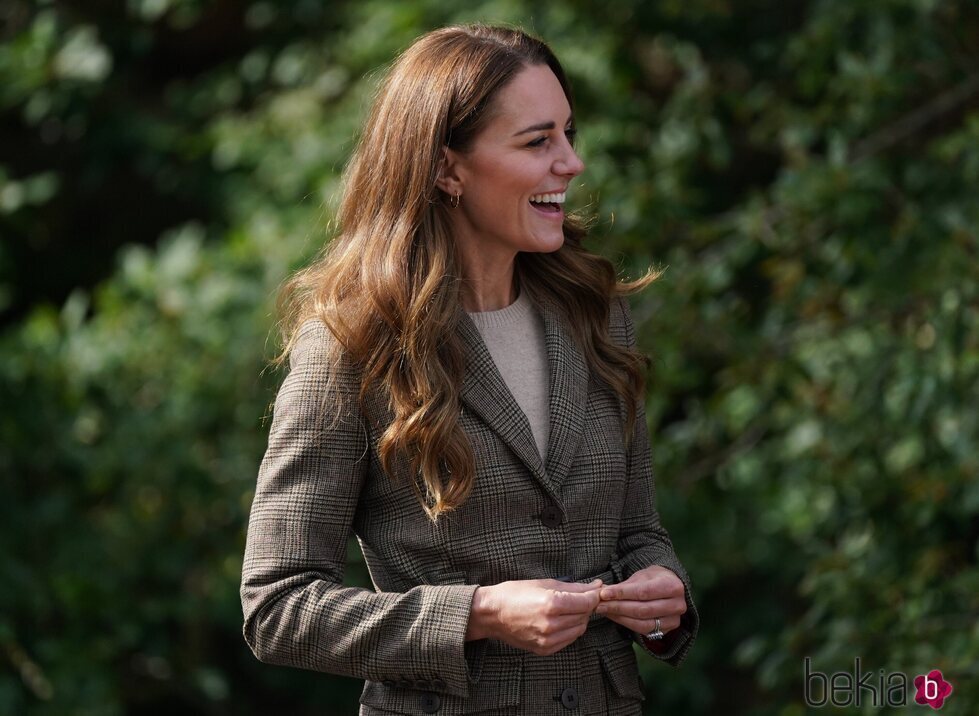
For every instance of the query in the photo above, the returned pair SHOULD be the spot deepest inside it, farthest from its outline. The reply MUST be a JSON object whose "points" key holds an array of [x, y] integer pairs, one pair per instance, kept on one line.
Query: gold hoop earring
{"points": [[454, 200]]}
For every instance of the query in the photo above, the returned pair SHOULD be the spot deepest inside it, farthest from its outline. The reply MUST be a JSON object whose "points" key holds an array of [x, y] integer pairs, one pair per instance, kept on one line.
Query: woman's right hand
{"points": [[541, 616]]}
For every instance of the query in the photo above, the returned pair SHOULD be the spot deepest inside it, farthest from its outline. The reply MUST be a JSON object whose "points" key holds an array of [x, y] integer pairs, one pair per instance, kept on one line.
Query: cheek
{"points": [[504, 201], [500, 182]]}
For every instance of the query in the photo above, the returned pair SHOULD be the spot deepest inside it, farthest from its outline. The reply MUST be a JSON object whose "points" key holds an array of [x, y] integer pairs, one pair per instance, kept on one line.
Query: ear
{"points": [[450, 178]]}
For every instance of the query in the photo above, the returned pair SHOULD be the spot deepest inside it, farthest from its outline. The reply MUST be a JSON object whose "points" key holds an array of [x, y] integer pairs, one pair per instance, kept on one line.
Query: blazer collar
{"points": [[486, 394]]}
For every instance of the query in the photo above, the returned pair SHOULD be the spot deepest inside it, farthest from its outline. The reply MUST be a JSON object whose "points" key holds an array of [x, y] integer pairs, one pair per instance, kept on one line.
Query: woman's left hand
{"points": [[637, 602]]}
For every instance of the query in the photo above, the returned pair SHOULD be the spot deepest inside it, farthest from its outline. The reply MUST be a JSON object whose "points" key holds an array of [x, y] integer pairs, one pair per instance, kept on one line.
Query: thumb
{"points": [[582, 599], [578, 586]]}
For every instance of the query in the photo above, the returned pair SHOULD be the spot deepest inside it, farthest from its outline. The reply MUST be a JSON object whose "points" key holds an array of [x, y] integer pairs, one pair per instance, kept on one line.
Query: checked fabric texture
{"points": [[588, 511]]}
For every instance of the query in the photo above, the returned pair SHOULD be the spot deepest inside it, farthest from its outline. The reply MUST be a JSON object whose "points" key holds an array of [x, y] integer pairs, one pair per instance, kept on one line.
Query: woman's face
{"points": [[523, 154]]}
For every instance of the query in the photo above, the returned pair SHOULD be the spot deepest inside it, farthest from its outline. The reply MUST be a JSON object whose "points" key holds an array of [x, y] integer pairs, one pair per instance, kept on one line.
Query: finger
{"points": [[574, 602], [562, 639], [559, 586], [644, 590], [565, 622], [644, 626], [642, 610]]}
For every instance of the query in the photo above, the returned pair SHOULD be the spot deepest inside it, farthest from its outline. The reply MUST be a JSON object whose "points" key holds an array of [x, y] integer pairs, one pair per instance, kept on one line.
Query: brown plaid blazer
{"points": [[587, 511]]}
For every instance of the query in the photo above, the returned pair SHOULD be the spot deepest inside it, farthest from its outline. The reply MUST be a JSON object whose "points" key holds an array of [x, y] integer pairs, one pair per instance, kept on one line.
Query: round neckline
{"points": [[507, 315]]}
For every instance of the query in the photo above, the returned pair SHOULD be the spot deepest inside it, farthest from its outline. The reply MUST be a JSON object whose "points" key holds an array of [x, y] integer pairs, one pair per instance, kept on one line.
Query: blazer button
{"points": [[404, 683], [439, 684], [430, 702], [551, 516], [422, 684], [569, 698], [389, 683]]}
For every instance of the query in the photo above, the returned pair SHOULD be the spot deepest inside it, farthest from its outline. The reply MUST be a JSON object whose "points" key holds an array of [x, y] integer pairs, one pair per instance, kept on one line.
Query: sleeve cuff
{"points": [[460, 661], [665, 648], [674, 646]]}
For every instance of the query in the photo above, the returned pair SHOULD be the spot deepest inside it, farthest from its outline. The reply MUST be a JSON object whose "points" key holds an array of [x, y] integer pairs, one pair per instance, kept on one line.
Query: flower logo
{"points": [[932, 689]]}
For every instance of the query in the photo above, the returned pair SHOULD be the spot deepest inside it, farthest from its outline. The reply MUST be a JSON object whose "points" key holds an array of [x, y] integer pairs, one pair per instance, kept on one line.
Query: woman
{"points": [[464, 395]]}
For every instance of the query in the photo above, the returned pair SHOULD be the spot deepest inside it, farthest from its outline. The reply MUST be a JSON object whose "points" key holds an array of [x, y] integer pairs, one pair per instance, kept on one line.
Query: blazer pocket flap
{"points": [[622, 672], [498, 687]]}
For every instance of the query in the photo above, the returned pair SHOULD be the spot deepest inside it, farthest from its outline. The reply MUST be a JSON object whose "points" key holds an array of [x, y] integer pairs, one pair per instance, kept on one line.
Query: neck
{"points": [[489, 282], [489, 292]]}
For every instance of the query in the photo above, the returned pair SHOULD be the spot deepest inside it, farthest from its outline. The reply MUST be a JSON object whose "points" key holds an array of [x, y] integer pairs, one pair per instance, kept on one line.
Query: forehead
{"points": [[535, 95]]}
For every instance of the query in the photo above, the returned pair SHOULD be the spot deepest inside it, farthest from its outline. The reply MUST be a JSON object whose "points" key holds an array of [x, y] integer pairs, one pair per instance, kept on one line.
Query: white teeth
{"points": [[548, 198]]}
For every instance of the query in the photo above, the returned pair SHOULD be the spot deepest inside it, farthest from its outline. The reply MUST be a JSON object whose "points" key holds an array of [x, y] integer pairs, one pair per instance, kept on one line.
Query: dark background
{"points": [[808, 173]]}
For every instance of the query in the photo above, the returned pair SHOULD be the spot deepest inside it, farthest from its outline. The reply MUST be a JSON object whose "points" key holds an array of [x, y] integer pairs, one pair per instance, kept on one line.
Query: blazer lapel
{"points": [[568, 392], [486, 394]]}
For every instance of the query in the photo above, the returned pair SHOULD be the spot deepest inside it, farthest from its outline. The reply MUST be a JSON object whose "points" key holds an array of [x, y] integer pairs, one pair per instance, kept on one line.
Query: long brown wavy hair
{"points": [[388, 285]]}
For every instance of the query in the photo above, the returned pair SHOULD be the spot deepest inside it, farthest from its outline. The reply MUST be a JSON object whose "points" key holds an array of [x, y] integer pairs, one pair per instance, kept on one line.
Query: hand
{"points": [[541, 616], [649, 593]]}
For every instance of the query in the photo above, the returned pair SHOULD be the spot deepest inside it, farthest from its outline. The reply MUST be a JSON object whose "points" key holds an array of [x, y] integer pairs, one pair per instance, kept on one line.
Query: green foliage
{"points": [[807, 173]]}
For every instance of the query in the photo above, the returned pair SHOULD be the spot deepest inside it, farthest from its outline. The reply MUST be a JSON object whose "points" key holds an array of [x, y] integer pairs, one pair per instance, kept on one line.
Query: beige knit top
{"points": [[515, 338]]}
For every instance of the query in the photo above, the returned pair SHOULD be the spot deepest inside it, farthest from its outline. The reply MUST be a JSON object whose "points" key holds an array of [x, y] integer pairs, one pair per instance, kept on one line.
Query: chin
{"points": [[548, 245]]}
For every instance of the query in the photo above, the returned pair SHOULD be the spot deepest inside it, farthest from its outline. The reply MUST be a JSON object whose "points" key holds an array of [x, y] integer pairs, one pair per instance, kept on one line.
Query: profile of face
{"points": [[513, 178]]}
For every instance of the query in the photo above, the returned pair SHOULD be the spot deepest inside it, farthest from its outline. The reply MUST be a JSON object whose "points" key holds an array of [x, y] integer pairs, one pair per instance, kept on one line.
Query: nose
{"points": [[569, 164]]}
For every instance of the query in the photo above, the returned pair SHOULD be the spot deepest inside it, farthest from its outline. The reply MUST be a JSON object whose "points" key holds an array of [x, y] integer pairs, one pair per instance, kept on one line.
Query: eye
{"points": [[570, 133]]}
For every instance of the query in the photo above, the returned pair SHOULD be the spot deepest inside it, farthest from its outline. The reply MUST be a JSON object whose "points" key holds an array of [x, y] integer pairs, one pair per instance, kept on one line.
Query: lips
{"points": [[552, 209]]}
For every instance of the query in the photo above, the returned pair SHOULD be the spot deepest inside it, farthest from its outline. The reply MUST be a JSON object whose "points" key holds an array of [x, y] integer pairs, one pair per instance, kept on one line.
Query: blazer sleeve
{"points": [[296, 610], [643, 541]]}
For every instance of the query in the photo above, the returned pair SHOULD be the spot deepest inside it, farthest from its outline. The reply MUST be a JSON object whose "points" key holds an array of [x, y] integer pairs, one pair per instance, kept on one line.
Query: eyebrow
{"points": [[540, 127]]}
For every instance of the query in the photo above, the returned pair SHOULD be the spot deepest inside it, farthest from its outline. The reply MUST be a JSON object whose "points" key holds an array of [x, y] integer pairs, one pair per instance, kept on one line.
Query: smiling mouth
{"points": [[548, 203]]}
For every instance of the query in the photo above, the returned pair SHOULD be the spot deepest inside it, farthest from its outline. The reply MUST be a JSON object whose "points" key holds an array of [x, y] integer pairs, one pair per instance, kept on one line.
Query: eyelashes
{"points": [[570, 133]]}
